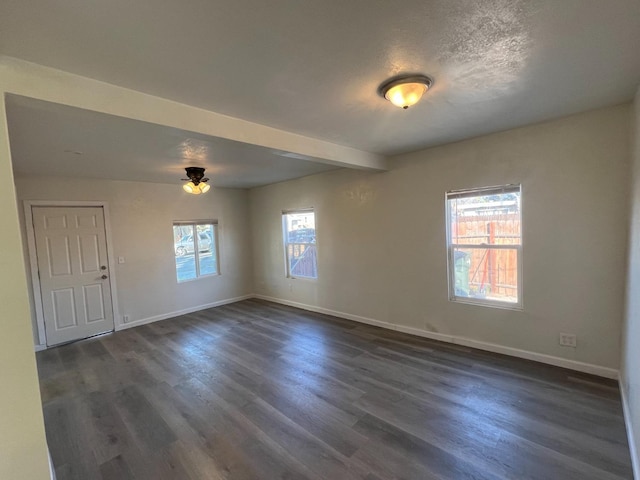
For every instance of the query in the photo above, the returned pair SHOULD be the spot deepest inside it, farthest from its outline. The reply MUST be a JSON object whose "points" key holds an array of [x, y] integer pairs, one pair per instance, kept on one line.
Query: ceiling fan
{"points": [[197, 183]]}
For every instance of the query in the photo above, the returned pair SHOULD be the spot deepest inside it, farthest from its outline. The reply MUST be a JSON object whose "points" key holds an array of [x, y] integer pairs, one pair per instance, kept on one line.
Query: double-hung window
{"points": [[484, 239], [299, 230], [195, 245]]}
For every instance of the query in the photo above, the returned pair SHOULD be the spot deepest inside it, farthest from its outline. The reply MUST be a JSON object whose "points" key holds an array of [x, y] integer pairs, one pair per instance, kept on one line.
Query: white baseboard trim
{"points": [[52, 470], [312, 308], [177, 313], [467, 342], [635, 455], [164, 316], [464, 341]]}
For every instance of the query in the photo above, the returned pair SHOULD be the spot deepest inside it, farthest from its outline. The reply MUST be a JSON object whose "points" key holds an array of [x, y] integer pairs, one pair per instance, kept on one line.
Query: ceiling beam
{"points": [[43, 83]]}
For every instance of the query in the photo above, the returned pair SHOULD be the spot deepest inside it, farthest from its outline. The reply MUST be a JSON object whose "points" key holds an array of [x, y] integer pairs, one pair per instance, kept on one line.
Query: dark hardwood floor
{"points": [[256, 390]]}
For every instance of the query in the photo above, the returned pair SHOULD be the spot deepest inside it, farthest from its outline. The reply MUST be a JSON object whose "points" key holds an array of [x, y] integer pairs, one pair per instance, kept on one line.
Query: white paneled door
{"points": [[71, 247]]}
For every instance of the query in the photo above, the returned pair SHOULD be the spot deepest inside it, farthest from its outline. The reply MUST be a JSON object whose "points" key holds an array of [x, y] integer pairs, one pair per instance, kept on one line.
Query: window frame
{"points": [[451, 248], [215, 252], [286, 243]]}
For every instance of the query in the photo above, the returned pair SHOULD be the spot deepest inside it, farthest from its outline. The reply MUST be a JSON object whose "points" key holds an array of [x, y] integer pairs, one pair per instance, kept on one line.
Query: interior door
{"points": [[71, 247]]}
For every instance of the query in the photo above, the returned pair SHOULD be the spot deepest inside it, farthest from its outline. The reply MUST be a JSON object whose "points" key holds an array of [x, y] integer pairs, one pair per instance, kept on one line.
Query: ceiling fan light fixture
{"points": [[191, 188], [405, 91], [197, 183]]}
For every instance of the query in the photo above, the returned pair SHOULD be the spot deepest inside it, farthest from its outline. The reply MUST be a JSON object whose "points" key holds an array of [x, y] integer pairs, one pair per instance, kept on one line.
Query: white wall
{"points": [[141, 222], [630, 375], [23, 448], [381, 237]]}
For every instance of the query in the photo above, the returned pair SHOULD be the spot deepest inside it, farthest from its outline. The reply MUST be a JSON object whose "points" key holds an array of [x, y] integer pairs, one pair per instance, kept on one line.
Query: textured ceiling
{"points": [[48, 139], [313, 67]]}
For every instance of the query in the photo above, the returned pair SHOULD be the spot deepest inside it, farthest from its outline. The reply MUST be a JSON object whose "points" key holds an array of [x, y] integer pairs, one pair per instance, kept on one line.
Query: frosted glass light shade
{"points": [[405, 91], [194, 189], [405, 95], [198, 182]]}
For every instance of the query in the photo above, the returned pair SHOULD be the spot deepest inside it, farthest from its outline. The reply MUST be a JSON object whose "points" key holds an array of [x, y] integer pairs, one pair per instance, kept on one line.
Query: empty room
{"points": [[320, 240]]}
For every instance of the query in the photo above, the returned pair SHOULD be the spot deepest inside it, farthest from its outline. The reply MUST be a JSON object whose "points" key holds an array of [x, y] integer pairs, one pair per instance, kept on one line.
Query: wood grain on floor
{"points": [[256, 390]]}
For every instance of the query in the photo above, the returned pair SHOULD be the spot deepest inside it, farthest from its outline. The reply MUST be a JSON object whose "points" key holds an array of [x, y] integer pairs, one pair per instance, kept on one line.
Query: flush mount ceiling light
{"points": [[405, 91], [197, 184]]}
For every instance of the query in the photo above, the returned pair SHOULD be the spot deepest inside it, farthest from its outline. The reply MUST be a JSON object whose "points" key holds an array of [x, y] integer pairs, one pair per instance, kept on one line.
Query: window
{"points": [[299, 229], [195, 246], [484, 237]]}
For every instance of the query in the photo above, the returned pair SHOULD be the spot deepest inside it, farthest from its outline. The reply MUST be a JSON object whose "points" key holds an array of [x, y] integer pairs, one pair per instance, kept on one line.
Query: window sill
{"points": [[304, 279], [487, 303], [201, 277]]}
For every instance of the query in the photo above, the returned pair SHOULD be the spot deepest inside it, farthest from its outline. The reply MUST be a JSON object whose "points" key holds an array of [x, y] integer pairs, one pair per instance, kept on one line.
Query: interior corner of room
{"points": [[113, 159]]}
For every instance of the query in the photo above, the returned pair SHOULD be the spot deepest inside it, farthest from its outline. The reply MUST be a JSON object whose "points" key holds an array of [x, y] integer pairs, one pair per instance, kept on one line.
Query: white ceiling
{"points": [[313, 67], [48, 139]]}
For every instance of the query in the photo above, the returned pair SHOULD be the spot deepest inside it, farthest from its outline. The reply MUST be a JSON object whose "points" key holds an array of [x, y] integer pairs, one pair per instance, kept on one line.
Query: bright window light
{"points": [[484, 239], [299, 228]]}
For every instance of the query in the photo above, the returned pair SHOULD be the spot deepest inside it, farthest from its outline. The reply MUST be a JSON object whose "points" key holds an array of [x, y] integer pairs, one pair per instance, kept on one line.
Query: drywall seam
{"points": [[635, 461], [467, 342]]}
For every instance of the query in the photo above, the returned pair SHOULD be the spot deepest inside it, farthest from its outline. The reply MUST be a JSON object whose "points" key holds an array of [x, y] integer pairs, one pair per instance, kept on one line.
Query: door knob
{"points": [[104, 277], [103, 267]]}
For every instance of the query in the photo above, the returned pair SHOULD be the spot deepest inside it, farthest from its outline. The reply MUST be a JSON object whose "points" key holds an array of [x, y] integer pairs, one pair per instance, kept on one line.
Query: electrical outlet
{"points": [[568, 340], [125, 318]]}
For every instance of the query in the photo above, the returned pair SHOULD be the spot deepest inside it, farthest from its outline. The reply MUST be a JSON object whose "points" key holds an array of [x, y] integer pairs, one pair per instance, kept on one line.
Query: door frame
{"points": [[33, 260]]}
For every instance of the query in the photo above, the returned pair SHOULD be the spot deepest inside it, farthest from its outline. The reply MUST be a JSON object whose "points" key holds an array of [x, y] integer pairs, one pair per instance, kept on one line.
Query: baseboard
{"points": [[177, 313], [164, 316], [52, 470], [635, 458], [467, 342]]}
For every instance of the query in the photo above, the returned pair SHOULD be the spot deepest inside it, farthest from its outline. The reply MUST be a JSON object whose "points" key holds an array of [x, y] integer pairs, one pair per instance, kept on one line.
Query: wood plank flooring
{"points": [[256, 390]]}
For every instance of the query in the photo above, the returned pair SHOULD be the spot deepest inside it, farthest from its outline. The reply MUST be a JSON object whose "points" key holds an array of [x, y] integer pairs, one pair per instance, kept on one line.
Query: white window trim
{"points": [[287, 267], [215, 251], [452, 246]]}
